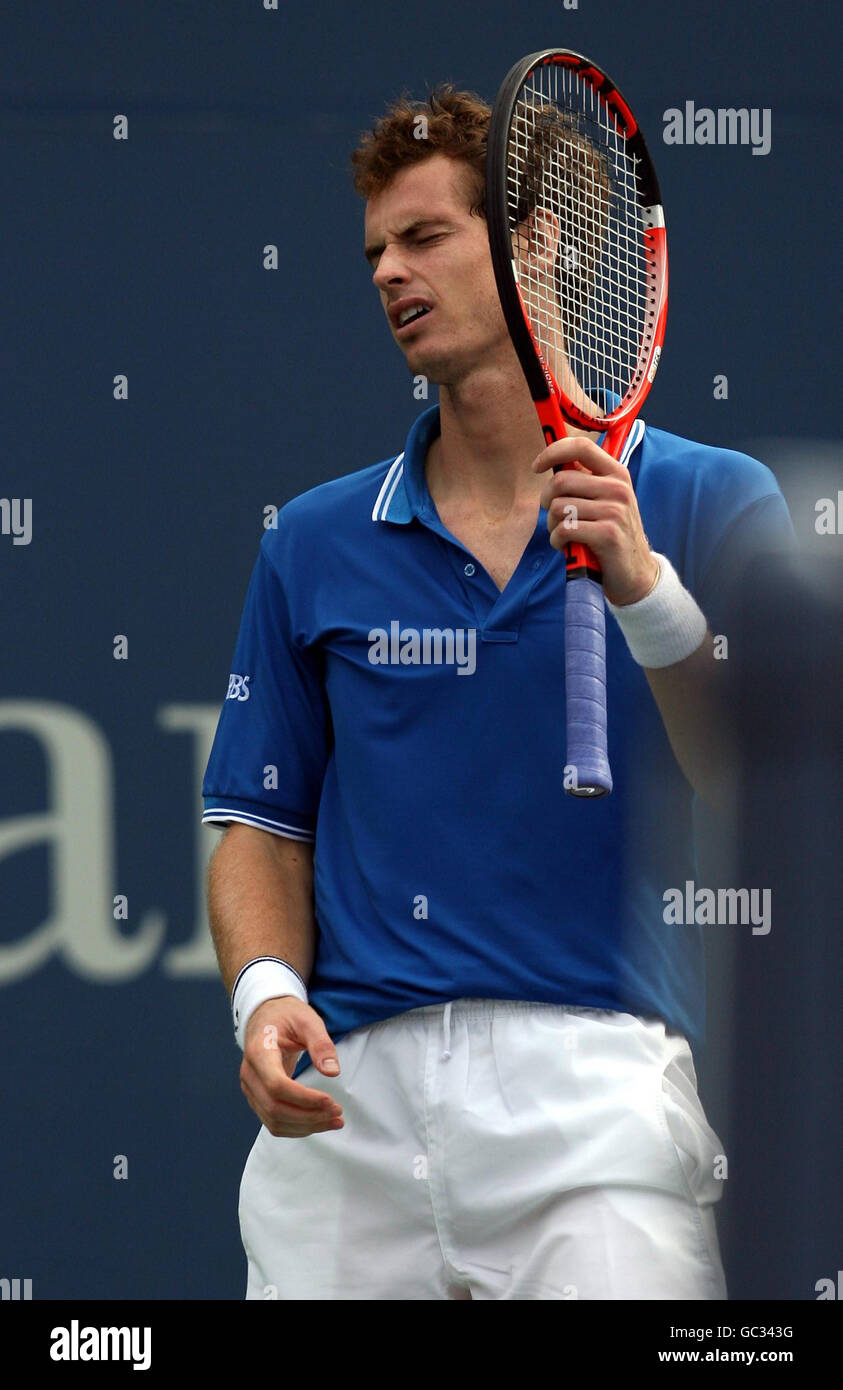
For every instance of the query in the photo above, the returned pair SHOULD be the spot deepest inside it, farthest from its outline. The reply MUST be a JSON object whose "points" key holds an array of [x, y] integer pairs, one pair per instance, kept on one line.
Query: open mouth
{"points": [[411, 316]]}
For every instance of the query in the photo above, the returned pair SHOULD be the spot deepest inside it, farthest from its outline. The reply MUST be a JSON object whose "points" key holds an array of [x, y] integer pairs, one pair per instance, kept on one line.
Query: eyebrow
{"points": [[375, 248]]}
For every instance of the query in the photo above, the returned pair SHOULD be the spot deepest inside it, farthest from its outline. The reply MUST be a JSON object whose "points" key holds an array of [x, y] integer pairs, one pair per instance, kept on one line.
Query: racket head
{"points": [[577, 237]]}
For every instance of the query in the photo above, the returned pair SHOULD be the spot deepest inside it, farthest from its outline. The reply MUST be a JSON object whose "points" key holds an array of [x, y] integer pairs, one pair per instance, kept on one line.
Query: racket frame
{"points": [[543, 386], [584, 607]]}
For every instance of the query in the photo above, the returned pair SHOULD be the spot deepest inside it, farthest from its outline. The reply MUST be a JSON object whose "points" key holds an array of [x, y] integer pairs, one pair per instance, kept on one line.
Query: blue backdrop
{"points": [[160, 388]]}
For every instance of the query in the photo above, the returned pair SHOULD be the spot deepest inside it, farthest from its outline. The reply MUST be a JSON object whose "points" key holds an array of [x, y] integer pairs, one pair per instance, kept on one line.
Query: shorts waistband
{"points": [[484, 1009], [481, 1008], [447, 1011], [470, 1009]]}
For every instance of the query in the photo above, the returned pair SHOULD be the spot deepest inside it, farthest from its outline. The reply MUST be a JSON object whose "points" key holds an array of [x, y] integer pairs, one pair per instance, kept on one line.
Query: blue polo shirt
{"points": [[388, 702]]}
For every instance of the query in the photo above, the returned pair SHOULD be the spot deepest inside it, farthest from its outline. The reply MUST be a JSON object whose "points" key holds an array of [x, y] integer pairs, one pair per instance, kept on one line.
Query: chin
{"points": [[436, 368]]}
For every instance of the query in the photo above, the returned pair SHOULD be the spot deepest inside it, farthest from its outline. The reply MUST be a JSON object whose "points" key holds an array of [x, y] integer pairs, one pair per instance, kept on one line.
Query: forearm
{"points": [[692, 702], [260, 901]]}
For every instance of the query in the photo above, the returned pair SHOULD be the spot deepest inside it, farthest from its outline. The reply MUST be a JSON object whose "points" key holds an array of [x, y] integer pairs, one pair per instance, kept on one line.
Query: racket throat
{"points": [[581, 564]]}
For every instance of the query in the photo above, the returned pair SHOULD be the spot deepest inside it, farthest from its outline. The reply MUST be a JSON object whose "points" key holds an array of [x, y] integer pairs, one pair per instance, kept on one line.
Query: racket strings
{"points": [[576, 223]]}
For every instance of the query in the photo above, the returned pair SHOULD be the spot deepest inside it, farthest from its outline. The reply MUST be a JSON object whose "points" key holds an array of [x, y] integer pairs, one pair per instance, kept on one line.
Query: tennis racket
{"points": [[577, 236]]}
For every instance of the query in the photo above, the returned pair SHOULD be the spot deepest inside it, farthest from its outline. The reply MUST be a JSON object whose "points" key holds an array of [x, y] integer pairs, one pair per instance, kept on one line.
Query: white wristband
{"points": [[666, 625], [265, 977]]}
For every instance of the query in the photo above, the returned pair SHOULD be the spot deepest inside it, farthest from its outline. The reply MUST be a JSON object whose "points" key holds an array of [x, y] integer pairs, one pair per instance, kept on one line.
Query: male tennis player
{"points": [[466, 1024]]}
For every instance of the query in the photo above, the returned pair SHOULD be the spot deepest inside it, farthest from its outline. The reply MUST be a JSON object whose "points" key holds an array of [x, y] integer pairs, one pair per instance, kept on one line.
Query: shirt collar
{"points": [[403, 493]]}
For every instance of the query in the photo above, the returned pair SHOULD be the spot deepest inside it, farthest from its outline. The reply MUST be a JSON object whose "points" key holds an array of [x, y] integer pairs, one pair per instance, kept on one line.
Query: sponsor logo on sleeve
{"points": [[238, 687]]}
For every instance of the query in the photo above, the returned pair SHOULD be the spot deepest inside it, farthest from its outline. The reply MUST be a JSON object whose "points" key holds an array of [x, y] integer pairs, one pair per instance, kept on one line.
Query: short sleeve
{"points": [[762, 529], [274, 735]]}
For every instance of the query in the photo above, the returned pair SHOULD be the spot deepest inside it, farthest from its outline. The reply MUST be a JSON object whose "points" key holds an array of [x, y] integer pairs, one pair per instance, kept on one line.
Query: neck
{"points": [[490, 434]]}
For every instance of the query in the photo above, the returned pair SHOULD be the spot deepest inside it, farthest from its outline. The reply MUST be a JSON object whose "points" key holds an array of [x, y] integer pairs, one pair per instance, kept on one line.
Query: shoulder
{"points": [[697, 500], [316, 518], [702, 472]]}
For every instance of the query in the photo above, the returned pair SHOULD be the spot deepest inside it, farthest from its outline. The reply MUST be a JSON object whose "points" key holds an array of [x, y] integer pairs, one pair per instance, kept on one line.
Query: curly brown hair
{"points": [[456, 124]]}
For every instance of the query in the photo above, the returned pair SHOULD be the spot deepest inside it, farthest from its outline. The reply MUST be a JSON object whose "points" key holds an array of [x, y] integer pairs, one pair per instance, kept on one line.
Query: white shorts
{"points": [[494, 1149]]}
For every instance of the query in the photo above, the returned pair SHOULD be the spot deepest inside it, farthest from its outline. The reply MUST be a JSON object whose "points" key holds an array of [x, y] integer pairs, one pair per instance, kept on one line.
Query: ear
{"points": [[544, 235]]}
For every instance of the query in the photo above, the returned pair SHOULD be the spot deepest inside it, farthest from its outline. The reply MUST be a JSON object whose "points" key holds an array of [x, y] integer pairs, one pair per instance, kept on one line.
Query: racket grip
{"points": [[585, 689]]}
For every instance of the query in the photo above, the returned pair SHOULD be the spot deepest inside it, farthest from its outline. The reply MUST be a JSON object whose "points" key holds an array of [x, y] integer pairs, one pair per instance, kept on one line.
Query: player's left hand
{"points": [[594, 502]]}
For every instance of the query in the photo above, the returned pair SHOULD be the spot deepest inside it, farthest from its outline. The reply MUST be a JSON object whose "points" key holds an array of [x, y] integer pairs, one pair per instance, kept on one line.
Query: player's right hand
{"points": [[277, 1033]]}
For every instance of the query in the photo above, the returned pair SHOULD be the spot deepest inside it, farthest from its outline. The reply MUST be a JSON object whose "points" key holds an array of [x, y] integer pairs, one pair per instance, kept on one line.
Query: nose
{"points": [[390, 270]]}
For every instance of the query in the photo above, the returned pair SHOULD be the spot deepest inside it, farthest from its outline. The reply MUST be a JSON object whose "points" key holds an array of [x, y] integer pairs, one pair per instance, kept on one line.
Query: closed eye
{"points": [[373, 257]]}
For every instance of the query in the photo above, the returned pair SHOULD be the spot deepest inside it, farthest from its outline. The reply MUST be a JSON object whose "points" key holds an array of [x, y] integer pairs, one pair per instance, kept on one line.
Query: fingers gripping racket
{"points": [[577, 236]]}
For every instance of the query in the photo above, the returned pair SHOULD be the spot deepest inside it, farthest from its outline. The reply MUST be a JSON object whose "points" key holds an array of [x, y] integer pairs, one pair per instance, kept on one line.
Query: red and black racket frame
{"points": [[552, 406]]}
